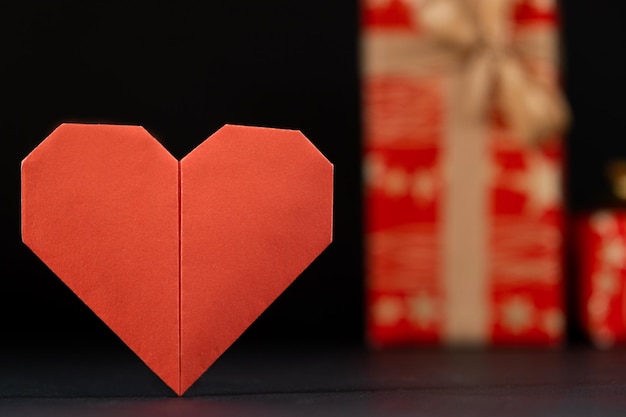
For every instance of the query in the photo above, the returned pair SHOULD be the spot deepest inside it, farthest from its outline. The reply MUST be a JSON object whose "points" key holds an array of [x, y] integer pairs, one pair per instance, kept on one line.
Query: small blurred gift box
{"points": [[462, 118], [599, 263]]}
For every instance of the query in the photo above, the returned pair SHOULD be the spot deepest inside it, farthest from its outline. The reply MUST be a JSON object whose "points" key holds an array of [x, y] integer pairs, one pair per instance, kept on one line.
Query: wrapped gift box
{"points": [[600, 263], [463, 211]]}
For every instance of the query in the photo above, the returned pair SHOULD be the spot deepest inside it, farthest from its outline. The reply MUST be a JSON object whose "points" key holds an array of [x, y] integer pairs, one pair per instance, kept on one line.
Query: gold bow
{"points": [[494, 66]]}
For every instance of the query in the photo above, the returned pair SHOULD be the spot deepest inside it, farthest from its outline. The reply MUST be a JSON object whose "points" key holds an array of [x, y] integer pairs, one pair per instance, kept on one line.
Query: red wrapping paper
{"points": [[600, 264]]}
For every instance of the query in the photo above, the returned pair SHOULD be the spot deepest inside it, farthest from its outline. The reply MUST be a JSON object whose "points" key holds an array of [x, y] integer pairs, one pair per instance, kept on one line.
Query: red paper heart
{"points": [[177, 258]]}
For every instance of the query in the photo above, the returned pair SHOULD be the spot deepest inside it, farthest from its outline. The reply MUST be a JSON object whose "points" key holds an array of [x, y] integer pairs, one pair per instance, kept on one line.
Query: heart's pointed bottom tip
{"points": [[178, 391], [176, 387]]}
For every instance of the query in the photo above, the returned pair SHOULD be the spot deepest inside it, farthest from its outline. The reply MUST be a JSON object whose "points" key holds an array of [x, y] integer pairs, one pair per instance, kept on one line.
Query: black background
{"points": [[182, 70]]}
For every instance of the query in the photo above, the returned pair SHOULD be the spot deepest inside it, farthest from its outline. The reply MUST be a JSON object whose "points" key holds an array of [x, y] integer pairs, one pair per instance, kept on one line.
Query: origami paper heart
{"points": [[177, 258]]}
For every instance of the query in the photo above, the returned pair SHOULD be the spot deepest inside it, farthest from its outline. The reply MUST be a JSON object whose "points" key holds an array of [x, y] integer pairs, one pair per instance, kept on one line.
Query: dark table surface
{"points": [[90, 380]]}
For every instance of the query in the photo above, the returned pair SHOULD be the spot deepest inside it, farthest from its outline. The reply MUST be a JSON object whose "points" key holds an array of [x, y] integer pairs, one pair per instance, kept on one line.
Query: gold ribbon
{"points": [[495, 74]]}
